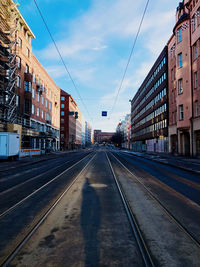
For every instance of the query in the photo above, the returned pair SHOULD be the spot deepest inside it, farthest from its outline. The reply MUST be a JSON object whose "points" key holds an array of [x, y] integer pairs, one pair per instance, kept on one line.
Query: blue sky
{"points": [[95, 38]]}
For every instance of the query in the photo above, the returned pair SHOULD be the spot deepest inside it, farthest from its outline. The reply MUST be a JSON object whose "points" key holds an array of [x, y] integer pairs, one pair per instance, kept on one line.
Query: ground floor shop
{"points": [[159, 145]]}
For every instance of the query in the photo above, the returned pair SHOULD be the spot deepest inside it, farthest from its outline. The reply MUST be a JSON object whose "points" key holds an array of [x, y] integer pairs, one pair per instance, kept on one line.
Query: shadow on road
{"points": [[90, 223]]}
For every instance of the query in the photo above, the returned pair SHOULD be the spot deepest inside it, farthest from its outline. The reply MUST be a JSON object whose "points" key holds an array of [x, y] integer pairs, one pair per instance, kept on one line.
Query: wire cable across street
{"points": [[129, 58], [60, 55]]}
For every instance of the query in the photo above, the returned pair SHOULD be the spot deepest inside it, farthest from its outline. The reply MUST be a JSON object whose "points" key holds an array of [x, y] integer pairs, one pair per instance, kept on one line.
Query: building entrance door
{"points": [[187, 143], [198, 143]]}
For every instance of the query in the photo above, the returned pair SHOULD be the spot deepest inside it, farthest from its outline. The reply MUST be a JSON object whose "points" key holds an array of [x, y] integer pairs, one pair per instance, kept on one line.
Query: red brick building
{"points": [[184, 81], [68, 117], [36, 115]]}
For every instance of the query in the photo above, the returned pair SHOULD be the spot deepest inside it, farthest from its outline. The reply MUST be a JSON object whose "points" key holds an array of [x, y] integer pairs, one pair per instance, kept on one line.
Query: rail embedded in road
{"points": [[14, 250]]}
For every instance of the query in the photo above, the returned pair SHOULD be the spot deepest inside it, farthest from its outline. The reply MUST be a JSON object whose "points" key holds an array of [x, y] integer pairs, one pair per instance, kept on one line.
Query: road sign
{"points": [[104, 113]]}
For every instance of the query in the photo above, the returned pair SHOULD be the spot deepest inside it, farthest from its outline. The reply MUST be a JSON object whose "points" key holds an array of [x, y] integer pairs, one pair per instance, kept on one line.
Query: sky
{"points": [[95, 38]]}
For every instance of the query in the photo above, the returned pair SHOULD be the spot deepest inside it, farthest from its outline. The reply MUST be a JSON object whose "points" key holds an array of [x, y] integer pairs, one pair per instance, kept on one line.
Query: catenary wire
{"points": [[60, 55], [129, 58]]}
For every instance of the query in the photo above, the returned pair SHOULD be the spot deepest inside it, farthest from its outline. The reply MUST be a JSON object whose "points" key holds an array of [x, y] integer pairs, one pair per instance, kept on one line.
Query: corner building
{"points": [[184, 81], [37, 105], [149, 109]]}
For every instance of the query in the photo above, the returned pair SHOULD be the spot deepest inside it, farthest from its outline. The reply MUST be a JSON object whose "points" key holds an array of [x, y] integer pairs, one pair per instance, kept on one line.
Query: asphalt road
{"points": [[20, 188], [177, 189], [89, 226]]}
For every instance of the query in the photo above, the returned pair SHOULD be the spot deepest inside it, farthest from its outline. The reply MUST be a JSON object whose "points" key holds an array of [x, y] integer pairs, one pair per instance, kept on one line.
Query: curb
{"points": [[165, 163]]}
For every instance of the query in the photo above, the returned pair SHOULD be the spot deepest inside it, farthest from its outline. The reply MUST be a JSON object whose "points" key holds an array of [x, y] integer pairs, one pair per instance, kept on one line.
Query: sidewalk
{"points": [[184, 163]]}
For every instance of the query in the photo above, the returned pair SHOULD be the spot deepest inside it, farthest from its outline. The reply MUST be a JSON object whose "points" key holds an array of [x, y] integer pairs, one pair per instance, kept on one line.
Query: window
{"points": [[20, 42], [18, 62], [196, 108], [38, 112], [62, 120], [33, 77], [38, 97], [179, 35], [17, 100], [33, 109], [195, 51], [27, 52], [33, 93], [62, 113], [62, 98], [180, 60], [46, 103], [18, 81], [49, 105], [62, 105], [193, 22], [43, 100], [26, 86], [198, 16], [27, 69], [42, 114], [62, 128], [180, 112], [195, 80], [180, 86]]}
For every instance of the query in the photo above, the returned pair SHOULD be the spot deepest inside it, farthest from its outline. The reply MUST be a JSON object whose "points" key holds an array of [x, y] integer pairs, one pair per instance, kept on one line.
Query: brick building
{"points": [[101, 137], [37, 97], [149, 109], [70, 124], [184, 81]]}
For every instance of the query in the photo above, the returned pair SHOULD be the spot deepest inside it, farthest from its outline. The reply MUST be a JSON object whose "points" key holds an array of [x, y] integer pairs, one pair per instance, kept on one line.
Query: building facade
{"points": [[184, 81], [101, 137], [88, 134], [96, 132], [37, 97], [126, 129], [149, 109]]}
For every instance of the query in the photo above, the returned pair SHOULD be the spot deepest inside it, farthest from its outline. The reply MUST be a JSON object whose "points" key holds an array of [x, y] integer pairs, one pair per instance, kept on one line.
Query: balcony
{"points": [[48, 122], [28, 77], [40, 88]]}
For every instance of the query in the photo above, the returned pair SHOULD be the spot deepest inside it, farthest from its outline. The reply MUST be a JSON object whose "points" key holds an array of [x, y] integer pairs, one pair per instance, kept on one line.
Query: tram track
{"points": [[40, 188], [143, 247], [172, 217], [14, 250]]}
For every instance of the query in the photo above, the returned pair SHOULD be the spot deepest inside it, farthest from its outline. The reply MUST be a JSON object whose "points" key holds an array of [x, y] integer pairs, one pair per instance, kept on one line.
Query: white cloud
{"points": [[106, 29]]}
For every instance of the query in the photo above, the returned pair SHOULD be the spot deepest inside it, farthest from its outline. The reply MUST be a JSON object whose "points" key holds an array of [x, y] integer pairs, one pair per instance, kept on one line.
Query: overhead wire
{"points": [[60, 55], [129, 58]]}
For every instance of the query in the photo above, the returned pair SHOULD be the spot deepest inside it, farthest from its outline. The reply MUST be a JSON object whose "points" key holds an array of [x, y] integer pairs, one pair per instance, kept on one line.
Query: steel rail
{"points": [[31, 179], [34, 229], [147, 258], [165, 209], [40, 188], [56, 156]]}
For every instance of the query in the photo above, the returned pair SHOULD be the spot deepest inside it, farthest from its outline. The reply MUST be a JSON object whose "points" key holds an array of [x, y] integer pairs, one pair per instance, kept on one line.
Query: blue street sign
{"points": [[104, 113]]}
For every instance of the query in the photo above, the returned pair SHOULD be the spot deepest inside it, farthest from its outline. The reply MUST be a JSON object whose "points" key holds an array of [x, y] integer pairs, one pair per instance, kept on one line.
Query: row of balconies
{"points": [[39, 87]]}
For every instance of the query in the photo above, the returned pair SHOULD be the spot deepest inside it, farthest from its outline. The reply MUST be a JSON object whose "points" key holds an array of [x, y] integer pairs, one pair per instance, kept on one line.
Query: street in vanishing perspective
{"points": [[100, 133]]}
